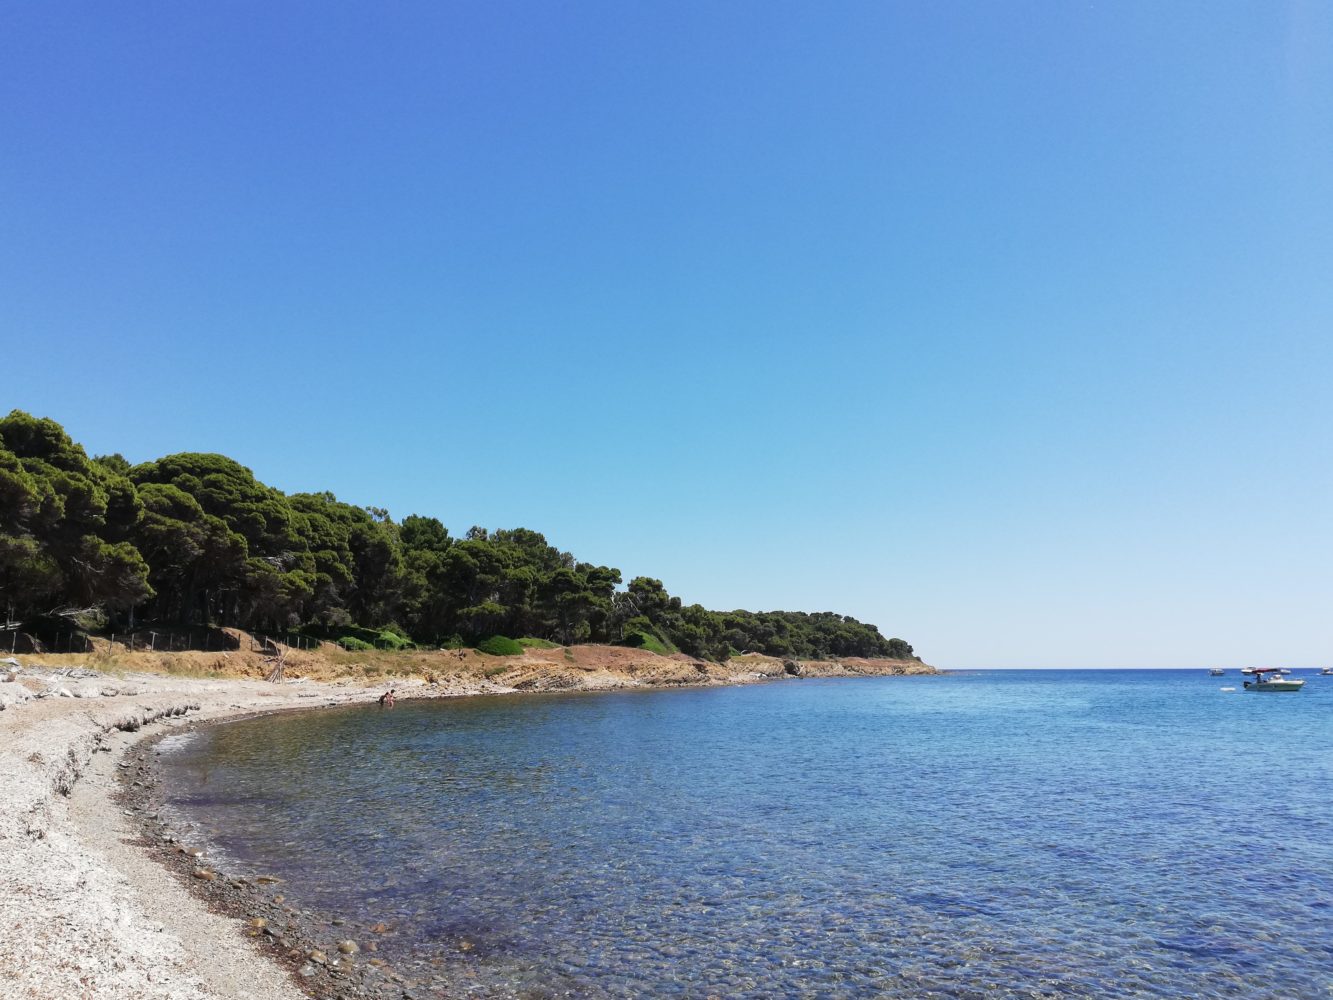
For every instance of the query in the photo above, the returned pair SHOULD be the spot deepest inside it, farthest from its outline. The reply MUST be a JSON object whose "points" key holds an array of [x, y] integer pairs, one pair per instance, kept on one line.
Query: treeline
{"points": [[195, 538]]}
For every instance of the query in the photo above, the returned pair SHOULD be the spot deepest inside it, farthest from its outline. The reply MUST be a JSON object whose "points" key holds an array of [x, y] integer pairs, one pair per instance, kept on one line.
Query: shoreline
{"points": [[328, 956], [95, 906]]}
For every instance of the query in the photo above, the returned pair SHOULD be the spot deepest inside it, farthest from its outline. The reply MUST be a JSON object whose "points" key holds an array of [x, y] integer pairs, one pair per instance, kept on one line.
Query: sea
{"points": [[982, 834]]}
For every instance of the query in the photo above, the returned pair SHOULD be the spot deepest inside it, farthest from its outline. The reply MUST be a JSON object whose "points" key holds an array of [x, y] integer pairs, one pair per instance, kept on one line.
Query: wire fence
{"points": [[15, 639]]}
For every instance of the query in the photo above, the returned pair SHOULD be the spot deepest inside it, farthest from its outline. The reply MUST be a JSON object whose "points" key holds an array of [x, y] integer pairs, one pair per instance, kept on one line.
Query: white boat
{"points": [[1326, 672], [1216, 672], [1276, 682]]}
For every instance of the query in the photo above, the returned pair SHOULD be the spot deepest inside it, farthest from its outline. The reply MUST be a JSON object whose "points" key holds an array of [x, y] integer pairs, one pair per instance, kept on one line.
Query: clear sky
{"points": [[1007, 327]]}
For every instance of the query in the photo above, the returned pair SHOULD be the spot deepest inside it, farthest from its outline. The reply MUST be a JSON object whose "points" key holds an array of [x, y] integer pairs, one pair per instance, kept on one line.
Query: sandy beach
{"points": [[89, 911]]}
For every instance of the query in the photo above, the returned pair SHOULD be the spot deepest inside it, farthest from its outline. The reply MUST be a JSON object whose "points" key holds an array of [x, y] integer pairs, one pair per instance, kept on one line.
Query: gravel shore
{"points": [[87, 912], [100, 902]]}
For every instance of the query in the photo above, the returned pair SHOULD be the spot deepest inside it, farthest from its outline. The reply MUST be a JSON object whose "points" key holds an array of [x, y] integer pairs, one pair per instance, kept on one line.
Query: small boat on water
{"points": [[1274, 683], [1216, 672], [1326, 672]]}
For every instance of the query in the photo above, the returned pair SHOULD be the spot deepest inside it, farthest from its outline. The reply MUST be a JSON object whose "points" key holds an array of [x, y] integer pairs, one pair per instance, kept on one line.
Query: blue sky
{"points": [[1003, 326]]}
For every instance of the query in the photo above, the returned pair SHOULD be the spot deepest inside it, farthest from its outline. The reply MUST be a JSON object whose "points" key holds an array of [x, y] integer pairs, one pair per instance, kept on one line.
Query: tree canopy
{"points": [[196, 538]]}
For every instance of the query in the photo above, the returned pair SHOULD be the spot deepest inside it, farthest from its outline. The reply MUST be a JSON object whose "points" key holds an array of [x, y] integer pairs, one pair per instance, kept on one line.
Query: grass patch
{"points": [[648, 641], [530, 643], [497, 669], [499, 645], [358, 639]]}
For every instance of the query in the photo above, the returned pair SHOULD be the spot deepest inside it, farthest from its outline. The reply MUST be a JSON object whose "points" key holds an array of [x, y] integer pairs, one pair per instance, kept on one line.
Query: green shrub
{"points": [[388, 639], [646, 640], [530, 643], [499, 645], [348, 636]]}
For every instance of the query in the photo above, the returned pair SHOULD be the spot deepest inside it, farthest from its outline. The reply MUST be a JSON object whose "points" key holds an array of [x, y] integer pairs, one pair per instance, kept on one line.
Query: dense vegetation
{"points": [[195, 538]]}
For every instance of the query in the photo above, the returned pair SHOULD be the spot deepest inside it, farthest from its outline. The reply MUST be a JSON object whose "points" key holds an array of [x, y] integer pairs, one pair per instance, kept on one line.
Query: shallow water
{"points": [[995, 834]]}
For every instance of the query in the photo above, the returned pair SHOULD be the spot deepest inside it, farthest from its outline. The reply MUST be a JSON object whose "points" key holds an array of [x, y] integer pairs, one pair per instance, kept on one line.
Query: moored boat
{"points": [[1275, 682], [1216, 672]]}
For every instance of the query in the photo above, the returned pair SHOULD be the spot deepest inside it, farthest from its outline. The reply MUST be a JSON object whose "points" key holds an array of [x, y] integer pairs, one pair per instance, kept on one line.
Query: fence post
{"points": [[152, 641]]}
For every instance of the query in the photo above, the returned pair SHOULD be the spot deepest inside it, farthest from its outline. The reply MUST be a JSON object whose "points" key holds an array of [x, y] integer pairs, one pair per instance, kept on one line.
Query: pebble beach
{"points": [[101, 900]]}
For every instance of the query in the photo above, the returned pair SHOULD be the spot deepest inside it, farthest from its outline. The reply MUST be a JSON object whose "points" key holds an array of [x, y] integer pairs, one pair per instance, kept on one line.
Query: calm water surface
{"points": [[995, 834]]}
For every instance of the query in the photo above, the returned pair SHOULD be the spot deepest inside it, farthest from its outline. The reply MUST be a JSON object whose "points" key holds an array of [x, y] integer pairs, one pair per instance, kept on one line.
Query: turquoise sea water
{"points": [[990, 834]]}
